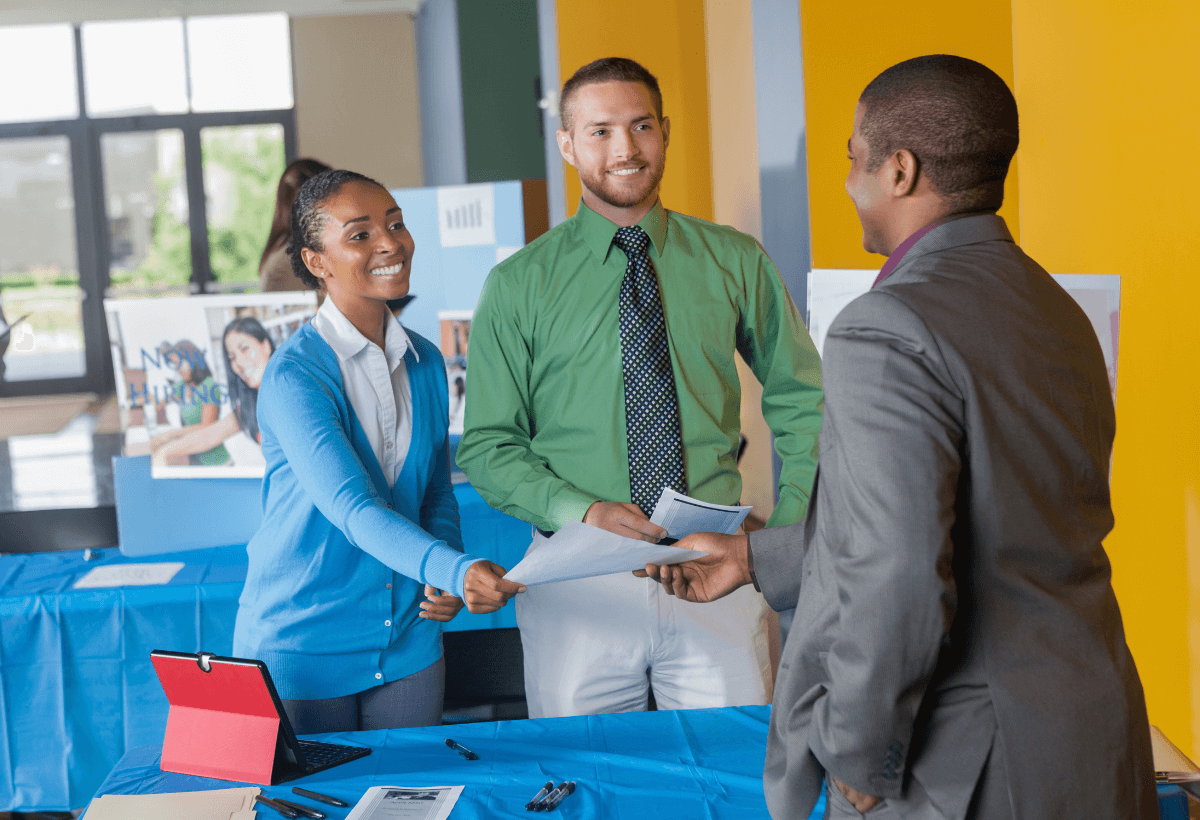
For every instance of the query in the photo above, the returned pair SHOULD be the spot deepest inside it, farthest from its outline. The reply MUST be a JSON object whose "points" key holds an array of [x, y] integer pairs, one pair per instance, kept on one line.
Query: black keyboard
{"points": [[318, 755]]}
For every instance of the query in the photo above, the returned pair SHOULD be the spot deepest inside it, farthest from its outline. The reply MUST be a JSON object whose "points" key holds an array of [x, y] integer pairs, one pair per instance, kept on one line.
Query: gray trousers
{"points": [[412, 701]]}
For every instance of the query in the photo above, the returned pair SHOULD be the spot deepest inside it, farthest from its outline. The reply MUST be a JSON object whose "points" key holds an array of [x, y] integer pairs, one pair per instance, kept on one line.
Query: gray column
{"points": [[783, 169], [443, 134], [551, 83], [782, 159]]}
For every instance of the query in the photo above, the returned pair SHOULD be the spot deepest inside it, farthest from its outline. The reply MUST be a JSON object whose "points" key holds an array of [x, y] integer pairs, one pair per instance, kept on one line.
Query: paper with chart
{"points": [[406, 803], [579, 550], [682, 515]]}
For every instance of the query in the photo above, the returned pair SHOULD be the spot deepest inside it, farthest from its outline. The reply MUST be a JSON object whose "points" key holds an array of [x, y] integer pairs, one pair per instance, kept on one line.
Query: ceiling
{"points": [[24, 12]]}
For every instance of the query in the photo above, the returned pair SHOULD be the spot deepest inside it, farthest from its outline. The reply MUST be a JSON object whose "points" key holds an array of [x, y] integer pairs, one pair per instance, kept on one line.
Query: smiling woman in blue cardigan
{"points": [[359, 554]]}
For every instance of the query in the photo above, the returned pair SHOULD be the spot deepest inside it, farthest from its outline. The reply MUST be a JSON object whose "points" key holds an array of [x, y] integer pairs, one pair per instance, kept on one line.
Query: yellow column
{"points": [[667, 37], [845, 46], [1110, 138]]}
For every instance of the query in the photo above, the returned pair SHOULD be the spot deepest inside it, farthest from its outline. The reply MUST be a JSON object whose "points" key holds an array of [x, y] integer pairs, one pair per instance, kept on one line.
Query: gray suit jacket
{"points": [[957, 647]]}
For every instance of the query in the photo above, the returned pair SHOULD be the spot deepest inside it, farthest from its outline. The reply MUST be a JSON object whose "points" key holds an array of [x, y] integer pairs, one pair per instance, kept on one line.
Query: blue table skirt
{"points": [[77, 685], [689, 764]]}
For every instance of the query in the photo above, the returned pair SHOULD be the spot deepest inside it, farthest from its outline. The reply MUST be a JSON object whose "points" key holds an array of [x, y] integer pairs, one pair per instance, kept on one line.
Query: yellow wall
{"points": [[1110, 138], [667, 37], [845, 46]]}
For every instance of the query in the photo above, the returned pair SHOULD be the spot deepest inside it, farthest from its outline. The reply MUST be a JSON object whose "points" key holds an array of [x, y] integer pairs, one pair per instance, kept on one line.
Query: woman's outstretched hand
{"points": [[485, 589], [438, 605]]}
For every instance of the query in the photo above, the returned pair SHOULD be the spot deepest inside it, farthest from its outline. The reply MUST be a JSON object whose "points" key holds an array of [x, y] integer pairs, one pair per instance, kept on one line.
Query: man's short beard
{"points": [[595, 184]]}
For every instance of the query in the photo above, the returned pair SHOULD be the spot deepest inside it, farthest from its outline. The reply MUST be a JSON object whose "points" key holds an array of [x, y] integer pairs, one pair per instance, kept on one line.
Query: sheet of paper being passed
{"points": [[682, 515], [579, 550]]}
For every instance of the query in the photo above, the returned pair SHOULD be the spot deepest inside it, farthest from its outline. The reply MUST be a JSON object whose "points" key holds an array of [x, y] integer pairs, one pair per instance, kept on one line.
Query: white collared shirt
{"points": [[376, 382]]}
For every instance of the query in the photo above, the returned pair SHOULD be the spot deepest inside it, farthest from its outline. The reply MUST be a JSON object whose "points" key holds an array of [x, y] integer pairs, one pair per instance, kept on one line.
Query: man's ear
{"points": [[565, 146], [904, 170], [314, 261], [665, 125]]}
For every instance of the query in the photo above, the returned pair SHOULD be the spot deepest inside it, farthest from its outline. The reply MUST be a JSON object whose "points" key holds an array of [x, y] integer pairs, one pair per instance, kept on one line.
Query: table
{"points": [[76, 686], [702, 763]]}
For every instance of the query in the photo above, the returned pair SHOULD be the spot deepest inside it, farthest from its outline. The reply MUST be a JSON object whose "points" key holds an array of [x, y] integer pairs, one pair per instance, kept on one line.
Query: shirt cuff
{"points": [[568, 504]]}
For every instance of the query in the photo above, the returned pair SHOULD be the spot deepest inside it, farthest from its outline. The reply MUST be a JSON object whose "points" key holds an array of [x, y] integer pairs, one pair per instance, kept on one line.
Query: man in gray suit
{"points": [[957, 650]]}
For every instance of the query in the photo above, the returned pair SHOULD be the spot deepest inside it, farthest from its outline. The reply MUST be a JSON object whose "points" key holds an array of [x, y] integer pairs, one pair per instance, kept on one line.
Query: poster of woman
{"points": [[188, 371]]}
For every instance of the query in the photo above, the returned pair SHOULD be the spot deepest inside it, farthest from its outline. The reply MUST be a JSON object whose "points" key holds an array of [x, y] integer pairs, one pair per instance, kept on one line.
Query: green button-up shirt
{"points": [[545, 418]]}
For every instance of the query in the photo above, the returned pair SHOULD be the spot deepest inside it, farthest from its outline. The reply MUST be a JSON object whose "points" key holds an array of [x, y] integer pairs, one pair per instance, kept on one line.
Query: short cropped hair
{"points": [[606, 70], [309, 218], [955, 115]]}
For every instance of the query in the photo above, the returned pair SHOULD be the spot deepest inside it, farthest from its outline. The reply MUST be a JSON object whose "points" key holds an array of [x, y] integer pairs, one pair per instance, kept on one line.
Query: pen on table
{"points": [[462, 750], [279, 807], [551, 801], [321, 798], [549, 787], [304, 811]]}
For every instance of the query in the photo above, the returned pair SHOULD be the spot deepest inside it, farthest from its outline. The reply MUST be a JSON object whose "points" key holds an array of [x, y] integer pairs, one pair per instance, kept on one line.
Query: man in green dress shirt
{"points": [[548, 436]]}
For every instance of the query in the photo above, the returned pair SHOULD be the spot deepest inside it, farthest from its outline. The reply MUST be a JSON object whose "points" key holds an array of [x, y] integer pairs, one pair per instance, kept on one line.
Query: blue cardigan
{"points": [[337, 569]]}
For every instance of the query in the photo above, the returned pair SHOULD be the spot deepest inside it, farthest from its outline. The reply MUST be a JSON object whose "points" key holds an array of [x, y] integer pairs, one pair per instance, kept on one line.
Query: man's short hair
{"points": [[606, 70], [957, 117]]}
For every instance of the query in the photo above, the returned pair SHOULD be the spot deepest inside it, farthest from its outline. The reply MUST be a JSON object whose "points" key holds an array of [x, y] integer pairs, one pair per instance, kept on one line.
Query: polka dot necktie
{"points": [[651, 406]]}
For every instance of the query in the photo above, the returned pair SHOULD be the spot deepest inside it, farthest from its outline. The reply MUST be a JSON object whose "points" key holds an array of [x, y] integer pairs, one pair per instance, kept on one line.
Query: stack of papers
{"points": [[682, 515], [234, 804]]}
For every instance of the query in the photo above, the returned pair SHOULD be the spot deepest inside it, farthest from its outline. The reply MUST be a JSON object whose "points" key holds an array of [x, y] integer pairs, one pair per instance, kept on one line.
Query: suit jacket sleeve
{"points": [[890, 465], [778, 555]]}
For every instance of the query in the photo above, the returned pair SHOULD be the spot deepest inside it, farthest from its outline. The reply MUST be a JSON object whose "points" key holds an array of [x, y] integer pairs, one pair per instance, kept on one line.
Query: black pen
{"points": [[462, 750], [537, 797], [304, 811], [320, 798], [279, 807], [551, 801]]}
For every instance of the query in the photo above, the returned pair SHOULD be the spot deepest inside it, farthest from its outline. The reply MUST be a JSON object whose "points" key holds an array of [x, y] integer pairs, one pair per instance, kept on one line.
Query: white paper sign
{"points": [[466, 215], [406, 803], [681, 515], [130, 575], [579, 550]]}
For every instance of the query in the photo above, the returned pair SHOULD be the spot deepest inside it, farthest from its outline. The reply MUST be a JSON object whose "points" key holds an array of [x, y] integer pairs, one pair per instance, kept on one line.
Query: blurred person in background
{"points": [[275, 268]]}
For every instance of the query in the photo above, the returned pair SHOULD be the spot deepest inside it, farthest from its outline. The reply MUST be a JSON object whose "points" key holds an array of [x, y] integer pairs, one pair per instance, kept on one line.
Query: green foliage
{"points": [[254, 167], [250, 160], [168, 262]]}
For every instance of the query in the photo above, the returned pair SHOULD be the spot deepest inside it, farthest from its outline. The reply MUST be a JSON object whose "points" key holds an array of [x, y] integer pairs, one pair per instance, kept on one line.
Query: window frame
{"points": [[92, 233]]}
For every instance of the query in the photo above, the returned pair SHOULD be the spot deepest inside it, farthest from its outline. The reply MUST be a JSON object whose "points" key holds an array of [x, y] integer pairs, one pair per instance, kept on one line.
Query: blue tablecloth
{"points": [[77, 686], [689, 764]]}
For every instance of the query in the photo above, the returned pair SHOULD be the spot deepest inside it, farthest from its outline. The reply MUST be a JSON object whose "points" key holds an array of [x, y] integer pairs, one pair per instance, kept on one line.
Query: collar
{"points": [[598, 232], [347, 342], [959, 229]]}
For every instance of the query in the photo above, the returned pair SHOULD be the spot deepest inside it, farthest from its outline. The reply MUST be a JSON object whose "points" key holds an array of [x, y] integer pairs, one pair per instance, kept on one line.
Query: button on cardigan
{"points": [[339, 553]]}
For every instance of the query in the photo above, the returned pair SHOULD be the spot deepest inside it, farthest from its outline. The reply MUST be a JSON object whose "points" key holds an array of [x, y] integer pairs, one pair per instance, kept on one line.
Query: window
{"points": [[143, 161]]}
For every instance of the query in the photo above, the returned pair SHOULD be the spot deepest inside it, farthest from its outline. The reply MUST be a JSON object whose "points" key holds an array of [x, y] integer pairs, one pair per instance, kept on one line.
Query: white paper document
{"points": [[579, 550], [406, 803], [129, 575], [682, 515]]}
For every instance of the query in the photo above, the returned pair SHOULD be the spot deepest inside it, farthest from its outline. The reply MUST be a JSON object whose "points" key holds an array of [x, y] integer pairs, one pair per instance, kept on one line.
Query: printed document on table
{"points": [[580, 550], [129, 575], [680, 515], [406, 803]]}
